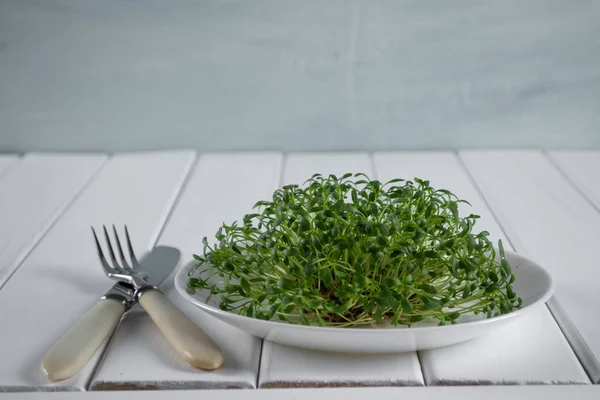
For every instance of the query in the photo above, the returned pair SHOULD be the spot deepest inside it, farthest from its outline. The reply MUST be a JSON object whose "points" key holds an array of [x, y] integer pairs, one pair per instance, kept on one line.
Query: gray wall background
{"points": [[298, 75]]}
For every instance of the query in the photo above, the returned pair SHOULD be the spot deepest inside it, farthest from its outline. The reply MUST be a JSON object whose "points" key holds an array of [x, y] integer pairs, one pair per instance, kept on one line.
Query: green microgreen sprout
{"points": [[351, 251]]}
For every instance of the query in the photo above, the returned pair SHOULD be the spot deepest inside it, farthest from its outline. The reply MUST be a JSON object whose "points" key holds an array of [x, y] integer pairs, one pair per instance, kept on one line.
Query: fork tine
{"points": [[107, 269], [124, 263], [134, 262], [110, 250]]}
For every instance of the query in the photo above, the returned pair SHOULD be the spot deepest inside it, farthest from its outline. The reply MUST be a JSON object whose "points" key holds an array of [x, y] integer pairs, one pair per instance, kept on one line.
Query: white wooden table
{"points": [[545, 205]]}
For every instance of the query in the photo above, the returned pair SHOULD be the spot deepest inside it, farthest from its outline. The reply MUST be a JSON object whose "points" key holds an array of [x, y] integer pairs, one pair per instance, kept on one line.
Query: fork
{"points": [[188, 340], [70, 354]]}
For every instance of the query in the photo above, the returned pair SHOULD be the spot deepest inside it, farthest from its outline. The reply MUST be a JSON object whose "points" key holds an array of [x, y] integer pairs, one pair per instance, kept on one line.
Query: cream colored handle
{"points": [[192, 344], [71, 353]]}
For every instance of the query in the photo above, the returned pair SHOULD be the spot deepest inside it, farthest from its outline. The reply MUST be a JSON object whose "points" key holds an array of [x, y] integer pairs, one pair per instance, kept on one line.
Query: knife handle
{"points": [[190, 342], [71, 353]]}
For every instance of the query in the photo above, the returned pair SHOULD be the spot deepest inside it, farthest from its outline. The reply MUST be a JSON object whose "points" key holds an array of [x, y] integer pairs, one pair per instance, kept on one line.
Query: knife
{"points": [[74, 349]]}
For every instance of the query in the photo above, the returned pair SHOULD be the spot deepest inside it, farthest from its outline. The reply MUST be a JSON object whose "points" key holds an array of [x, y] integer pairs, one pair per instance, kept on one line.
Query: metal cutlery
{"points": [[136, 283]]}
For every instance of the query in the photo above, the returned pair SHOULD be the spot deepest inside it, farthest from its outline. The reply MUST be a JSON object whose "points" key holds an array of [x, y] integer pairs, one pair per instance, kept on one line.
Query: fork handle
{"points": [[72, 352], [190, 342]]}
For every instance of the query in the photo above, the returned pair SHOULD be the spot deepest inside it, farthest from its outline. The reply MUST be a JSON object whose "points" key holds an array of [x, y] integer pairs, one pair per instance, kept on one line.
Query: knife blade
{"points": [[74, 349]]}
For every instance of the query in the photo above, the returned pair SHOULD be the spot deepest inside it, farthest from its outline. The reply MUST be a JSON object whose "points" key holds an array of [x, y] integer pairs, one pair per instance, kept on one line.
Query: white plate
{"points": [[532, 283]]}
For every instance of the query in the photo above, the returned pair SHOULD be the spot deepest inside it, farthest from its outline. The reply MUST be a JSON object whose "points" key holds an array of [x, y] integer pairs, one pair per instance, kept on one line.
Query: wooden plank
{"points": [[301, 166], [288, 367], [547, 219], [7, 160], [61, 279], [282, 366], [35, 191], [223, 188], [532, 350], [581, 167], [582, 392]]}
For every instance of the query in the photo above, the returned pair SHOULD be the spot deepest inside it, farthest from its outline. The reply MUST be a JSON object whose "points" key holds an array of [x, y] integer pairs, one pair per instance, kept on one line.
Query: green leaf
{"points": [[360, 281], [453, 209], [470, 243], [273, 310], [428, 288], [391, 282], [325, 277], [492, 287], [416, 318], [377, 316], [509, 292], [381, 241], [430, 304], [289, 308], [501, 249], [454, 267], [506, 266], [349, 208], [313, 304], [309, 267], [250, 310], [319, 319], [429, 211], [396, 180], [406, 307], [453, 316], [466, 291], [432, 254], [368, 307], [287, 284], [340, 273], [261, 203], [303, 318], [245, 286]]}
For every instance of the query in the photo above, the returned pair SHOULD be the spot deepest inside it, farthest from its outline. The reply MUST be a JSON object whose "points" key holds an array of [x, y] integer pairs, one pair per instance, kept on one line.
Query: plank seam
{"points": [[423, 372], [260, 361], [582, 351], [577, 344], [57, 217], [282, 167], [172, 206], [463, 166], [109, 340], [184, 184], [570, 181], [584, 354]]}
